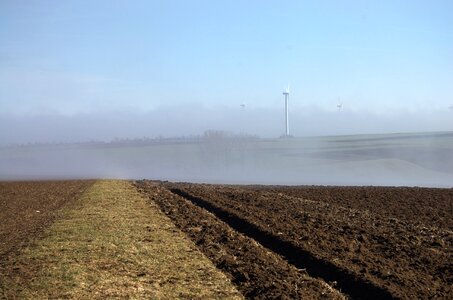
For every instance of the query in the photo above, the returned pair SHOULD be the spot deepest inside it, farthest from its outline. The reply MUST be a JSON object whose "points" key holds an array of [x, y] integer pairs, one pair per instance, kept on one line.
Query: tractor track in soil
{"points": [[345, 280], [256, 271], [283, 242], [370, 251]]}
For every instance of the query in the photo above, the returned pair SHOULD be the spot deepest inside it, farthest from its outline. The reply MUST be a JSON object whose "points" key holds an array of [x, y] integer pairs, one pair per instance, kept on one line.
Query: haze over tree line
{"points": [[81, 70]]}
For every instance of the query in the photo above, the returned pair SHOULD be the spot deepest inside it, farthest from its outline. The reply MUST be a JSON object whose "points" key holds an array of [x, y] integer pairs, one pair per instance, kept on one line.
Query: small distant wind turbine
{"points": [[286, 93], [243, 106], [339, 105]]}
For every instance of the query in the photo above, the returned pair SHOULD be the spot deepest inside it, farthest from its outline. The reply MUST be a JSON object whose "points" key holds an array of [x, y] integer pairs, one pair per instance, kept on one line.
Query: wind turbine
{"points": [[340, 104], [286, 93]]}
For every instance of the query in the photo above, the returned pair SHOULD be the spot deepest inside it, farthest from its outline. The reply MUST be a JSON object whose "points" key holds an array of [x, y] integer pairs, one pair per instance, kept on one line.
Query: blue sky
{"points": [[72, 57]]}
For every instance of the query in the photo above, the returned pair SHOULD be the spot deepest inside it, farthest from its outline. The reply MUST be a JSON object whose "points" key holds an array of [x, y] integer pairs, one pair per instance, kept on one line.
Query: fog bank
{"points": [[172, 121], [392, 160]]}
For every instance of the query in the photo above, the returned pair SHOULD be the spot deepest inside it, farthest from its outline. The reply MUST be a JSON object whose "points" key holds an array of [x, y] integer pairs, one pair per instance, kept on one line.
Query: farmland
{"points": [[344, 236], [160, 239], [28, 208], [104, 242]]}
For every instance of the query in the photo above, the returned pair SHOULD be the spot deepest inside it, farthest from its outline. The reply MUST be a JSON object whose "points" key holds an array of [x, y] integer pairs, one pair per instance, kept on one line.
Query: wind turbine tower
{"points": [[286, 93]]}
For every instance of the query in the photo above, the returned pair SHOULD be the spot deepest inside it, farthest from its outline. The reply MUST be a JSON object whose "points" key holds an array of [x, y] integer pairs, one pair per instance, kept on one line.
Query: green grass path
{"points": [[114, 243]]}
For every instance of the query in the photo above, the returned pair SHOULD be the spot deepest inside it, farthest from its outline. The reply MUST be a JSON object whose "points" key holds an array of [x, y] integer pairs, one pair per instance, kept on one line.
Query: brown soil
{"points": [[422, 206], [257, 272], [27, 208], [283, 242], [374, 242]]}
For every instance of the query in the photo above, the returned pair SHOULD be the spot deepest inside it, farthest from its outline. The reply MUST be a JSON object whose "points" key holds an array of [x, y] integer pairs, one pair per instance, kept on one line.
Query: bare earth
{"points": [[151, 239], [369, 242], [28, 208]]}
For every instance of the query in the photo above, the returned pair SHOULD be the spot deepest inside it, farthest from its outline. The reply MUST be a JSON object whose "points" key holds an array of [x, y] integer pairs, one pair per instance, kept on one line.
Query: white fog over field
{"points": [[195, 91], [423, 159]]}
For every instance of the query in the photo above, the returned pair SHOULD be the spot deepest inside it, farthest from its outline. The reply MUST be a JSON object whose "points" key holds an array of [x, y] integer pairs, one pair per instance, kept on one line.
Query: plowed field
{"points": [[271, 241], [27, 208], [366, 242]]}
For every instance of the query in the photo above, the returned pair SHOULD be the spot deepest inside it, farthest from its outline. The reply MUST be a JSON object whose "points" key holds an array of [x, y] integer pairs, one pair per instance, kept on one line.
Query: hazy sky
{"points": [[86, 57]]}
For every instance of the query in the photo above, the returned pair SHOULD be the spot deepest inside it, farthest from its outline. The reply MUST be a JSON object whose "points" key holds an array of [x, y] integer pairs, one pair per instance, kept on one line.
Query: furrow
{"points": [[346, 281]]}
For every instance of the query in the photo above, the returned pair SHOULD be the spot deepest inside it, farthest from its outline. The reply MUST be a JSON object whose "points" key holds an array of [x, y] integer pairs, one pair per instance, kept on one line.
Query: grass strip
{"points": [[113, 243]]}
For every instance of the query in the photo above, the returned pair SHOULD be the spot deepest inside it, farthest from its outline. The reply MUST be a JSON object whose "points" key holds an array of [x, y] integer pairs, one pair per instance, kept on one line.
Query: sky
{"points": [[97, 64]]}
